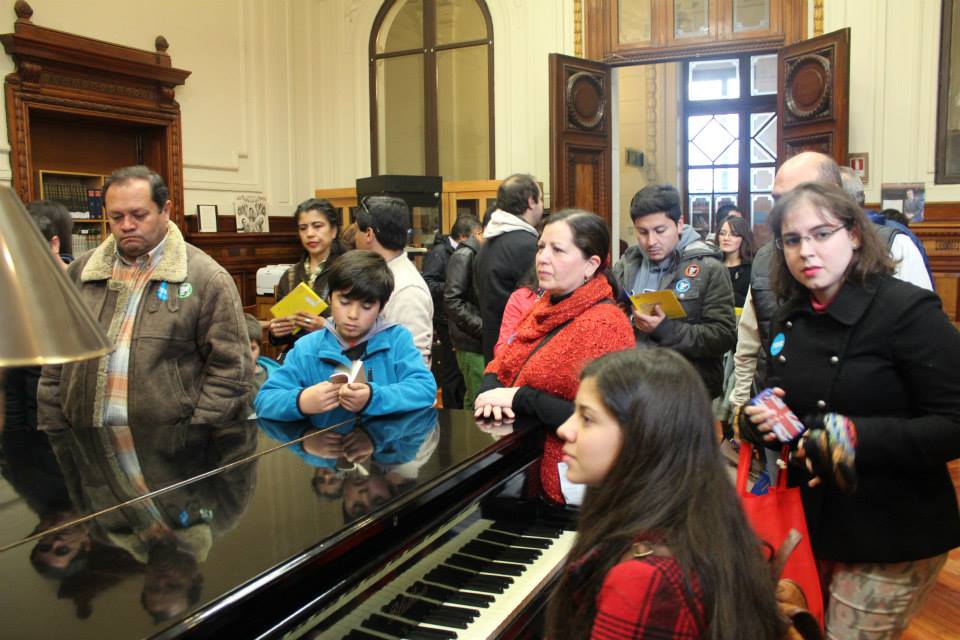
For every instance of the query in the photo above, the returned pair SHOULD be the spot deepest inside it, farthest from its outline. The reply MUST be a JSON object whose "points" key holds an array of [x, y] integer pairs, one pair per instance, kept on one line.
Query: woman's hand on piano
{"points": [[495, 404], [320, 398]]}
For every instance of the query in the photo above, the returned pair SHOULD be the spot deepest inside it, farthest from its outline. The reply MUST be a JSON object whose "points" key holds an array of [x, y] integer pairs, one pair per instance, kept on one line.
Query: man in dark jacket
{"points": [[670, 255], [444, 363], [463, 313], [509, 250]]}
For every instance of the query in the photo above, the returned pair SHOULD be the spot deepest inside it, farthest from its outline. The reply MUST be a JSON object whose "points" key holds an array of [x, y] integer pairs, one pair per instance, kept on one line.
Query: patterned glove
{"points": [[830, 446], [745, 430]]}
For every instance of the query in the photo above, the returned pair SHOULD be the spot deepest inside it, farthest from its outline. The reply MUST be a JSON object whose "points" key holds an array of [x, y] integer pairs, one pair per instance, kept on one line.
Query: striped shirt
{"points": [[133, 277]]}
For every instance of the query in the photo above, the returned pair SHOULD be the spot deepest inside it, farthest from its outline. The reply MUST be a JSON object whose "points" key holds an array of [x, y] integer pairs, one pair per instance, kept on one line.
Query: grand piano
{"points": [[246, 531]]}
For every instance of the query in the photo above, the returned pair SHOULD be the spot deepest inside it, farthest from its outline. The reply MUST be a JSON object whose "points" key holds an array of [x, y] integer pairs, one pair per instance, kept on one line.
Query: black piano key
{"points": [[418, 611], [485, 566], [452, 596], [399, 629], [492, 551], [515, 541], [460, 579], [532, 529]]}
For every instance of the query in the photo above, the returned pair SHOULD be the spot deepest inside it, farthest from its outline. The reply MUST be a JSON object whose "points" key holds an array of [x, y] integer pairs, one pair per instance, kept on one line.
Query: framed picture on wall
{"points": [[207, 218]]}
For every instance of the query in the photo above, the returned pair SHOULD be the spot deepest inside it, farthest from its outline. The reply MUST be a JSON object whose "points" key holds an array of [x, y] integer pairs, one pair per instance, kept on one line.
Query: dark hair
{"points": [[515, 192], [870, 259], [852, 185], [723, 211], [53, 219], [254, 330], [158, 188], [656, 198], [896, 216], [667, 484], [326, 208], [591, 236], [362, 275], [464, 226], [389, 218], [740, 228], [488, 214]]}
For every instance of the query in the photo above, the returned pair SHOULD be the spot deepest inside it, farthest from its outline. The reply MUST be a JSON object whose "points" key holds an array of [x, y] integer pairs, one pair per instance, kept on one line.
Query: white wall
{"points": [[894, 61], [278, 99]]}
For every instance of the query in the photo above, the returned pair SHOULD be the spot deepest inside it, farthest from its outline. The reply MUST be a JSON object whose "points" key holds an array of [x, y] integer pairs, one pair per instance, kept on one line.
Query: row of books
{"points": [[81, 201], [86, 239]]}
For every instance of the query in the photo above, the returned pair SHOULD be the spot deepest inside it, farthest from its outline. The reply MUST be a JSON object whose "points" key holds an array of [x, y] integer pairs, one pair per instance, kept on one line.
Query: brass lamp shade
{"points": [[42, 318]]}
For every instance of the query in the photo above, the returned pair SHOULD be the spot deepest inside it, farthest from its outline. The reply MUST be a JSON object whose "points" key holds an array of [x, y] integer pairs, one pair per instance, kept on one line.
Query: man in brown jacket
{"points": [[174, 314]]}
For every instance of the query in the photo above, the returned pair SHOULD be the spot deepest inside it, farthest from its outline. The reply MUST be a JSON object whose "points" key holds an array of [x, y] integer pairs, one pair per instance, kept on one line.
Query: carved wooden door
{"points": [[813, 76], [580, 140]]}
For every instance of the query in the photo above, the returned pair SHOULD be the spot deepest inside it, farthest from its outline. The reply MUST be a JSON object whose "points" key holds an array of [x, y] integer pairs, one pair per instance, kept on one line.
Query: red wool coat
{"points": [[593, 330]]}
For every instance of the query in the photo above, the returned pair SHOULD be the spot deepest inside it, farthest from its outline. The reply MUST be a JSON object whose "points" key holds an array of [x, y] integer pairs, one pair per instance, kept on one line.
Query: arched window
{"points": [[431, 89]]}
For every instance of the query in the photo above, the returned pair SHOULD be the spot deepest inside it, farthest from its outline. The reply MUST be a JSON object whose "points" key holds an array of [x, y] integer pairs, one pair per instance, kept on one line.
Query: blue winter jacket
{"points": [[398, 379]]}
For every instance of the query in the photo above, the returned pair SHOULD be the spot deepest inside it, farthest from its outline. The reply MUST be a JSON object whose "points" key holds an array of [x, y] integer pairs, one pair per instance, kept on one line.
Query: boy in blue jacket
{"points": [[397, 379]]}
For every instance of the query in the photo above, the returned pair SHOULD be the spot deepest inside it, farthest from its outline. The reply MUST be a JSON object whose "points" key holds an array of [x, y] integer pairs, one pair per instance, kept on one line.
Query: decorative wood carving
{"points": [[91, 84], [808, 86], [814, 102], [580, 146], [586, 103]]}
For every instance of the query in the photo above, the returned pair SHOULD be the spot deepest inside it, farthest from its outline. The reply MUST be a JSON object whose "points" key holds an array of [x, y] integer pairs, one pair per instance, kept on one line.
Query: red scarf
{"points": [[555, 367]]}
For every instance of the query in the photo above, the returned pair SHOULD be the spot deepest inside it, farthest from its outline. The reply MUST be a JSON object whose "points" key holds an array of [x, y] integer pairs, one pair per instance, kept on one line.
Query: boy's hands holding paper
{"points": [[647, 322], [354, 396], [326, 395]]}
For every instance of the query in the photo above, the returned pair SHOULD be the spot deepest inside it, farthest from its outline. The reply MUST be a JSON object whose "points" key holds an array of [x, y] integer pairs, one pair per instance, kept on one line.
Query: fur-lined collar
{"points": [[172, 266]]}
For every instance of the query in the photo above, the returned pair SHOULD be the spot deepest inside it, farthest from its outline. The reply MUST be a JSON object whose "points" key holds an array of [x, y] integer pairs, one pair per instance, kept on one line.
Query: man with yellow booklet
{"points": [[680, 291]]}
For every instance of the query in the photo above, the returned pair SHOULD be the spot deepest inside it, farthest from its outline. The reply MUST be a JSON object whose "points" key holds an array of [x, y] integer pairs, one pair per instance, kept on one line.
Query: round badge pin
{"points": [[185, 290], [682, 286], [692, 271], [777, 345]]}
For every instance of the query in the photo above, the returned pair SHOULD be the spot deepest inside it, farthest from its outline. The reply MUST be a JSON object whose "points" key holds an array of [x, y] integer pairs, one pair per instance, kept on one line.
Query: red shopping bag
{"points": [[772, 516]]}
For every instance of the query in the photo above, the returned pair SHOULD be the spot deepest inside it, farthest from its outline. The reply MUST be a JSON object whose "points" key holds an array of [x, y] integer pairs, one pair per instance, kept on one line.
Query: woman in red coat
{"points": [[574, 322]]}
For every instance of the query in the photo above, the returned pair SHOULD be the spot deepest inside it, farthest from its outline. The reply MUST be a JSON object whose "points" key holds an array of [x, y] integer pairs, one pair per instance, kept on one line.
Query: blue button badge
{"points": [[777, 345], [682, 286]]}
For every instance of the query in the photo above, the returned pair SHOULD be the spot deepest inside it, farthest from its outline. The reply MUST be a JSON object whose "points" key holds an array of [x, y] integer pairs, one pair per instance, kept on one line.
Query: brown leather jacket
{"points": [[189, 357]]}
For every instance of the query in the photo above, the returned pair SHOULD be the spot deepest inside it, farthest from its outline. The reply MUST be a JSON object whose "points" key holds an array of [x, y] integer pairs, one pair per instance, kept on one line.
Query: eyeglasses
{"points": [[727, 234], [792, 241]]}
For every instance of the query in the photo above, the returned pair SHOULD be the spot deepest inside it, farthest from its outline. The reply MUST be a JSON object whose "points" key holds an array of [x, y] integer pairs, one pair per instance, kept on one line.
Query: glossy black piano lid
{"points": [[235, 529]]}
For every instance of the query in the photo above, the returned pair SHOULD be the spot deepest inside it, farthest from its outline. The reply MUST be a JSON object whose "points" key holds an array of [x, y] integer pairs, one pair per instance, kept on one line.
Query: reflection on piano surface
{"points": [[226, 533]]}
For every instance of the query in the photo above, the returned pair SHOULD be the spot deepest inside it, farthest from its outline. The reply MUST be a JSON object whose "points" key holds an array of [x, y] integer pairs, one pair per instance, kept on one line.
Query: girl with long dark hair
{"points": [[663, 548], [736, 242], [318, 225]]}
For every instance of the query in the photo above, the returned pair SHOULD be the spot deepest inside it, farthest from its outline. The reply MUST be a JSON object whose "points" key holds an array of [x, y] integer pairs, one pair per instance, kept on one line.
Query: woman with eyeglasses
{"points": [[318, 225], [869, 363], [736, 242]]}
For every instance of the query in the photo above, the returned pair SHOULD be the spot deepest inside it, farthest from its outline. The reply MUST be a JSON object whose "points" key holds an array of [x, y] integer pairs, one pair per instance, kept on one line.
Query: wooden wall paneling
{"points": [[814, 96], [87, 83], [580, 135]]}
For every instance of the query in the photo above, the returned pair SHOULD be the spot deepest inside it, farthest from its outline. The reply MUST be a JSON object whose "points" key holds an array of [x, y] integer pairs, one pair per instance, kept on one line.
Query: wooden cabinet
{"points": [[631, 31], [81, 105], [81, 194]]}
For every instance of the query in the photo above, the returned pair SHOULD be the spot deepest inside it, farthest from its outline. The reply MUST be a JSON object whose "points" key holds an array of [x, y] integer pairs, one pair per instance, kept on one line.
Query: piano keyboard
{"points": [[470, 587]]}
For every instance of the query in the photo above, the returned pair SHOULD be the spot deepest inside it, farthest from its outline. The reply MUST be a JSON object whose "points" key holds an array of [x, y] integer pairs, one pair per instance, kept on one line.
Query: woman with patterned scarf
{"points": [[575, 321]]}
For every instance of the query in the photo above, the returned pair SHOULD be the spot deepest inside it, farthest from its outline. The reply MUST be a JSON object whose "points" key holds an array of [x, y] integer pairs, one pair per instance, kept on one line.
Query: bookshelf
{"points": [[80, 193]]}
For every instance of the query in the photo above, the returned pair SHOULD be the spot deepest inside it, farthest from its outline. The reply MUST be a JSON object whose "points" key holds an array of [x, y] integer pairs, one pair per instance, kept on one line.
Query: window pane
{"points": [[751, 15], [761, 179], [695, 156], [700, 180], [463, 113], [700, 207], [400, 134], [763, 75], [716, 139], [761, 204], [633, 21], [402, 29], [714, 80], [726, 179], [691, 18], [763, 145], [424, 223], [459, 21]]}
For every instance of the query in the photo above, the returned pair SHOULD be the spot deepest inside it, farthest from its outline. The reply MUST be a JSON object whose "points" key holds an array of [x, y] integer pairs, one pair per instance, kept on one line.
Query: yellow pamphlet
{"points": [[666, 298], [302, 298]]}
